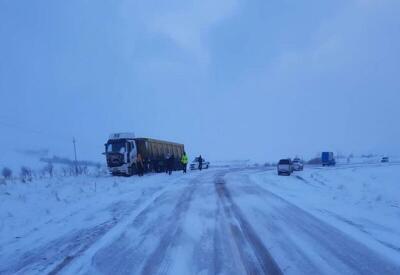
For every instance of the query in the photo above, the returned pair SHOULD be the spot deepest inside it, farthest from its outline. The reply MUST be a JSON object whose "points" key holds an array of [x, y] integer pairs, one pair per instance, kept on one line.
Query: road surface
{"points": [[212, 222]]}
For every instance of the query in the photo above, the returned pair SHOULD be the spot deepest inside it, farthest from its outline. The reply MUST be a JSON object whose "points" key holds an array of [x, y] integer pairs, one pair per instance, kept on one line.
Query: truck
{"points": [[122, 149], [328, 159]]}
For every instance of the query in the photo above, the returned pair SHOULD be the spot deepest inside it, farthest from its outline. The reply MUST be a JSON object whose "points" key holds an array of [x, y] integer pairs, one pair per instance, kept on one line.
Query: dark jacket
{"points": [[171, 162]]}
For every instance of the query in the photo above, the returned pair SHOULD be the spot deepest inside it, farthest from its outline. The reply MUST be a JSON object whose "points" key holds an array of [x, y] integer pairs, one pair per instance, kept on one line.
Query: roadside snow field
{"points": [[361, 200]]}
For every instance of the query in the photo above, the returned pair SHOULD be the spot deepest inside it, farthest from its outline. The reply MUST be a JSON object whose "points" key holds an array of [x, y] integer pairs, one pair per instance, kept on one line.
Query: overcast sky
{"points": [[230, 79]]}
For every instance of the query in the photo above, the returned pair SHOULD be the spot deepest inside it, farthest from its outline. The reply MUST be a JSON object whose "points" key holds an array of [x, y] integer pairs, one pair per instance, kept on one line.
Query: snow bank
{"points": [[363, 201], [45, 205]]}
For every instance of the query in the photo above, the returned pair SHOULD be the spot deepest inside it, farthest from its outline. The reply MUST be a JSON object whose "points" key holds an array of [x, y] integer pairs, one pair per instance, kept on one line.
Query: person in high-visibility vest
{"points": [[184, 161]]}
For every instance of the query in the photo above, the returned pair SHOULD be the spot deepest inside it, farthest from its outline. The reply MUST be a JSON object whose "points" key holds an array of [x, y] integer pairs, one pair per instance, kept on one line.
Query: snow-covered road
{"points": [[220, 221]]}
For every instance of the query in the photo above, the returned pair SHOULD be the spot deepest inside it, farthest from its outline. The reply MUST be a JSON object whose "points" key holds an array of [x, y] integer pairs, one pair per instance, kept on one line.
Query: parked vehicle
{"points": [[122, 149], [385, 159], [285, 167], [328, 159], [298, 164], [194, 165]]}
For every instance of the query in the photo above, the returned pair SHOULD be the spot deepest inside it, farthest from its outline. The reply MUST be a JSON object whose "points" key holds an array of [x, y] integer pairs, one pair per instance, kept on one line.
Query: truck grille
{"points": [[115, 159]]}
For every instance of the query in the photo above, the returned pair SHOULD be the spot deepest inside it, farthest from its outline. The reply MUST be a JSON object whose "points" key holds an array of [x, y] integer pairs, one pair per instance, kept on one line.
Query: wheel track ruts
{"points": [[217, 245], [245, 233], [82, 240], [79, 242], [156, 262], [324, 233]]}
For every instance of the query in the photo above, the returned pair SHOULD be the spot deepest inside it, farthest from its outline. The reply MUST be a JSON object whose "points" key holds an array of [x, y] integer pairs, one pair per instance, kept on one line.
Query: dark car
{"points": [[385, 159]]}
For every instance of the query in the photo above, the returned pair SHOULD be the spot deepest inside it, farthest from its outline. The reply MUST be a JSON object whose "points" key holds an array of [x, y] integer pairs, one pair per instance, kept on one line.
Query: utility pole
{"points": [[76, 160]]}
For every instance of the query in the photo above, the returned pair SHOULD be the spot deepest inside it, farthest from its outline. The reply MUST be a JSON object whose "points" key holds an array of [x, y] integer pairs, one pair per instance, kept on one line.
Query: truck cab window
{"points": [[116, 148]]}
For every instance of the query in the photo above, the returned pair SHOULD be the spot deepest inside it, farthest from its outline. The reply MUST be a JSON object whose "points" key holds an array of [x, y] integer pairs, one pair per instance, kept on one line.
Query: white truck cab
{"points": [[121, 153]]}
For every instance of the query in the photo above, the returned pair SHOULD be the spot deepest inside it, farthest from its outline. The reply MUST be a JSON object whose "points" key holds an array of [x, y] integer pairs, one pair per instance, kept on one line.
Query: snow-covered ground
{"points": [[340, 220], [362, 201]]}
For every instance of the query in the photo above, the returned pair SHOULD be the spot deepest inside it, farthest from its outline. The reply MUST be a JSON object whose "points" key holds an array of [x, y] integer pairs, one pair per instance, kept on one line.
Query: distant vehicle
{"points": [[385, 159], [328, 159], [285, 167], [298, 164], [194, 165], [121, 151]]}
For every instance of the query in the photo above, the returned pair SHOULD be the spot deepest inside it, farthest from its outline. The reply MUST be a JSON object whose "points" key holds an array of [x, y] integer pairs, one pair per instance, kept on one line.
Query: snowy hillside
{"points": [[39, 161]]}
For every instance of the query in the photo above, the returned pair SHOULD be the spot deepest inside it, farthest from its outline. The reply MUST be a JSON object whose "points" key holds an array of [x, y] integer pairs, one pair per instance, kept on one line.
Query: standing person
{"points": [[140, 165], [184, 161], [166, 161], [200, 163], [171, 162]]}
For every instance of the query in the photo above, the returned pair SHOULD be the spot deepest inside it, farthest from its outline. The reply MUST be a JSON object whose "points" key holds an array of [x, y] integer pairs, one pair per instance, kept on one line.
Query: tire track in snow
{"points": [[59, 252], [338, 249], [244, 235], [119, 230], [361, 228], [147, 244], [55, 256], [157, 262]]}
